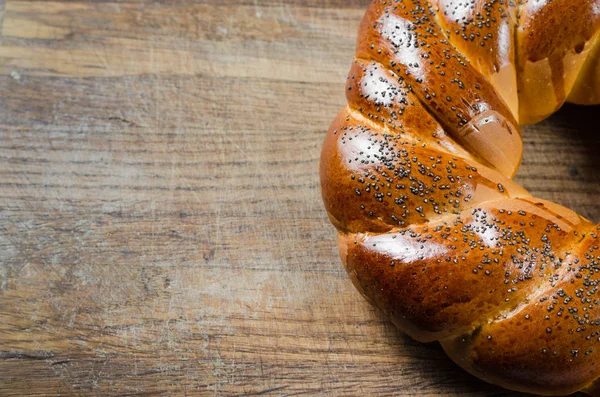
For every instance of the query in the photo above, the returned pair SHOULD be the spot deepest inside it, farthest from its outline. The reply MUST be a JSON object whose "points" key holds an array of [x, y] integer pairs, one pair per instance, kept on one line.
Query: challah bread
{"points": [[416, 176]]}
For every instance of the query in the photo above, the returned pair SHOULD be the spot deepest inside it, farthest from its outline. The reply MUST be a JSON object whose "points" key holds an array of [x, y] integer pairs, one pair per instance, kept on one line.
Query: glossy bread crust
{"points": [[416, 176]]}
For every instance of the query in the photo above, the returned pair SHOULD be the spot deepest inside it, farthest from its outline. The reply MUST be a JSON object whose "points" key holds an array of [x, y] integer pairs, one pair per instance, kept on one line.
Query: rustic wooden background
{"points": [[161, 229]]}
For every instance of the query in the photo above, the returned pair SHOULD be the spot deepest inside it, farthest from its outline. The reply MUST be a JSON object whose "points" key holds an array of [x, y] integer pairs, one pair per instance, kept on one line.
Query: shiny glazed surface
{"points": [[416, 176]]}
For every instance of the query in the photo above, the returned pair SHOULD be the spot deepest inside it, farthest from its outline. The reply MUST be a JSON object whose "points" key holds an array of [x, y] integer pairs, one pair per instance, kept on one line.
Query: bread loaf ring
{"points": [[416, 176]]}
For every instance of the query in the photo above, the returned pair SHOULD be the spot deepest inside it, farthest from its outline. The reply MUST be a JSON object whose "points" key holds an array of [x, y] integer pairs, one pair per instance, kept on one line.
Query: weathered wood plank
{"points": [[161, 229], [114, 39]]}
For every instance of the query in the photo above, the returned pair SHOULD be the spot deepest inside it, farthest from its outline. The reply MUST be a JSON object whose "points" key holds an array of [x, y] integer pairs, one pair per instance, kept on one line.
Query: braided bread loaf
{"points": [[416, 176]]}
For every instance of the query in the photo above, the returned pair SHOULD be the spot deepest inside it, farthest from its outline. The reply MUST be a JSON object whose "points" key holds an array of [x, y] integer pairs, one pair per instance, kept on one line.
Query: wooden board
{"points": [[161, 228]]}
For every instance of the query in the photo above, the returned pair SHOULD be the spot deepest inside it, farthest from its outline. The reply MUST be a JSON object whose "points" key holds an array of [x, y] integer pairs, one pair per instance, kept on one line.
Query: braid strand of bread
{"points": [[416, 176]]}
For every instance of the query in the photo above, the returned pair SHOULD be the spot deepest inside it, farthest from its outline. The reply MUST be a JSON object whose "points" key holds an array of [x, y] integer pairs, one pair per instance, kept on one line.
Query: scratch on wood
{"points": [[270, 390], [2, 8], [123, 120], [39, 355]]}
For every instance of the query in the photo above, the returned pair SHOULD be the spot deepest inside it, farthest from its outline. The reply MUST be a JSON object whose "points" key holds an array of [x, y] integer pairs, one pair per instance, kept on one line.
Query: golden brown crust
{"points": [[554, 38], [572, 23], [405, 39], [484, 32], [547, 344], [415, 175]]}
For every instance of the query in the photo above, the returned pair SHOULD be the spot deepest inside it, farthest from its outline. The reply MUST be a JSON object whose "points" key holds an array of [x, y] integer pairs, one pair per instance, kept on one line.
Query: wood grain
{"points": [[161, 228]]}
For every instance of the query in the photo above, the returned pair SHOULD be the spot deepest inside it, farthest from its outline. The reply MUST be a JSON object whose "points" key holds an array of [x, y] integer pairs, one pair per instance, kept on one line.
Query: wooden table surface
{"points": [[161, 228]]}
